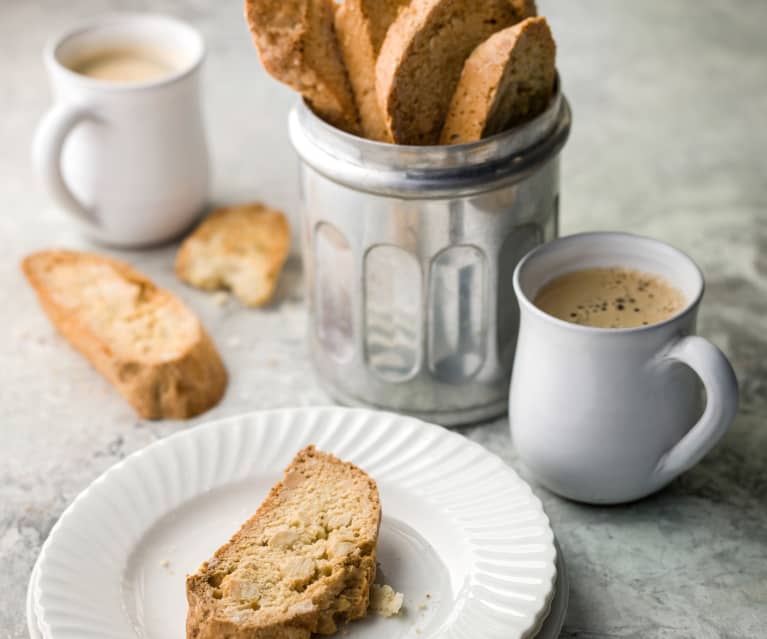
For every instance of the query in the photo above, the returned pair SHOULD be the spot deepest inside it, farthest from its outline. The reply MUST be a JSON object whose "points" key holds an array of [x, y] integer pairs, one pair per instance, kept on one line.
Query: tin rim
{"points": [[431, 171]]}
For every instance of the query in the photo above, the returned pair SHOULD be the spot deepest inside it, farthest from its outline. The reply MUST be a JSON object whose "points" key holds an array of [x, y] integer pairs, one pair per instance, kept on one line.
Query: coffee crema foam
{"points": [[614, 297]]}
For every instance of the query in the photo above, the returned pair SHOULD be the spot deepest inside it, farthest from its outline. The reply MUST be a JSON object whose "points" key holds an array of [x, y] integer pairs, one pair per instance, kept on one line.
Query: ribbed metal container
{"points": [[409, 254]]}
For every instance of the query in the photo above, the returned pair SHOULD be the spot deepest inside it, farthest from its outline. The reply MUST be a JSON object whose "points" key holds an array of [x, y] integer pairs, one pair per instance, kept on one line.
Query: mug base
{"points": [[161, 240], [596, 498]]}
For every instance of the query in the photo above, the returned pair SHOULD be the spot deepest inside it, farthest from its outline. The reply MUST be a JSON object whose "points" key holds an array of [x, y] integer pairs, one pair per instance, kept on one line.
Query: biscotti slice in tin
{"points": [[507, 80], [303, 564], [423, 55], [297, 44], [361, 26], [241, 248], [142, 338]]}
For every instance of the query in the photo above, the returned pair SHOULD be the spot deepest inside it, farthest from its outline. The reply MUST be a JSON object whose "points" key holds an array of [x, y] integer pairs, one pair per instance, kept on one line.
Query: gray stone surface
{"points": [[669, 140]]}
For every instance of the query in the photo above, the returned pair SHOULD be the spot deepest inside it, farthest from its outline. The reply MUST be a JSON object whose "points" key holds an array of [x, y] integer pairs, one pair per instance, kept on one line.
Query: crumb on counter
{"points": [[220, 298], [165, 563], [385, 601]]}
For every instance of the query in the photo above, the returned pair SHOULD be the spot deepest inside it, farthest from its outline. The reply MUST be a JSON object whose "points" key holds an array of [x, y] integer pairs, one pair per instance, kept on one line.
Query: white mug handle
{"points": [[50, 137], [721, 385]]}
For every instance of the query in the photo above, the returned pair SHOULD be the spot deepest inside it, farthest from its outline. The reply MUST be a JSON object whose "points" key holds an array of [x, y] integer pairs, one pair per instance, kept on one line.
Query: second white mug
{"points": [[605, 415], [128, 160]]}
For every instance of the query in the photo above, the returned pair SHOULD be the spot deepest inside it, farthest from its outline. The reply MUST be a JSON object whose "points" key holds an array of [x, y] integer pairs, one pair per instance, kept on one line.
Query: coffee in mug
{"points": [[612, 297], [124, 65]]}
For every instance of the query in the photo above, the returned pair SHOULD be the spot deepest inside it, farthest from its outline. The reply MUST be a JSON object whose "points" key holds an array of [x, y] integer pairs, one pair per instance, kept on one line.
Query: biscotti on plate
{"points": [[241, 248], [303, 564], [142, 338]]}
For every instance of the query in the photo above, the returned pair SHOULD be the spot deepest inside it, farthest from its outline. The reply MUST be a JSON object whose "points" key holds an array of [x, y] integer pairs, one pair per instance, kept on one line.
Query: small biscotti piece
{"points": [[140, 337], [507, 80], [361, 26], [302, 564], [297, 44], [423, 55], [241, 248]]}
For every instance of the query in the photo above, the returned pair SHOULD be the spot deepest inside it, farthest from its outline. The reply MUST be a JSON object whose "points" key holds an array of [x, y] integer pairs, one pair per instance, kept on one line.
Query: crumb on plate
{"points": [[385, 601]]}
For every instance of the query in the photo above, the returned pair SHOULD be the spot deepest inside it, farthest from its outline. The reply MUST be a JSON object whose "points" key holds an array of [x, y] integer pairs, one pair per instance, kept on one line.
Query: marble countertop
{"points": [[669, 140]]}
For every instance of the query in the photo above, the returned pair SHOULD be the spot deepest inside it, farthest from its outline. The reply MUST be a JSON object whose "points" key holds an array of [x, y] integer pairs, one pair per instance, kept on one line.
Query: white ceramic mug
{"points": [[128, 161], [611, 415]]}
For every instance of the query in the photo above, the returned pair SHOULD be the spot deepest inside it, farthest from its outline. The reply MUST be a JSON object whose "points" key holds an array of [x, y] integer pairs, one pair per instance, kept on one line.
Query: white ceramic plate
{"points": [[550, 628], [32, 625], [459, 526]]}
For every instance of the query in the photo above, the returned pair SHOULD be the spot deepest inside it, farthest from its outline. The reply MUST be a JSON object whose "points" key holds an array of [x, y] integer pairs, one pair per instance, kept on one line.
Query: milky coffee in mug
{"points": [[126, 64]]}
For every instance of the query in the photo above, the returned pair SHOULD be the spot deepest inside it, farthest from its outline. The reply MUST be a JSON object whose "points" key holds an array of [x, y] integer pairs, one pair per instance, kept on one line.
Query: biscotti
{"points": [[297, 44], [361, 26], [240, 248], [143, 339], [422, 58], [303, 564], [507, 80]]}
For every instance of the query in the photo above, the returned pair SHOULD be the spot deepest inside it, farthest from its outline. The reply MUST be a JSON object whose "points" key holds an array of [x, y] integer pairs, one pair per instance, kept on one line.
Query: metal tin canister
{"points": [[408, 257]]}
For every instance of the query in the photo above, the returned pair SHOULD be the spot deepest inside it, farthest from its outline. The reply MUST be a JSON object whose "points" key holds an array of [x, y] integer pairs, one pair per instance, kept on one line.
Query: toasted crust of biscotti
{"points": [[141, 338], [361, 26], [423, 55], [242, 248], [507, 80], [302, 564], [297, 44]]}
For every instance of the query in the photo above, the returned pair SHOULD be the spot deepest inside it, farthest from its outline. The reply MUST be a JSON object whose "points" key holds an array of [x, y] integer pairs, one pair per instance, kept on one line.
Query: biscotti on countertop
{"points": [[303, 564], [143, 339], [242, 248]]}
